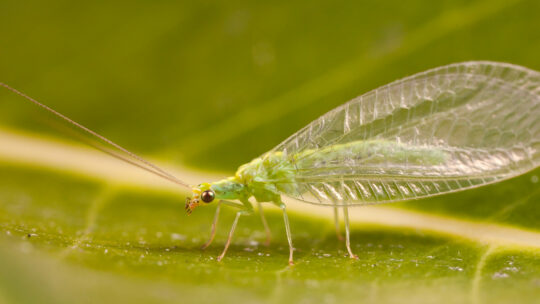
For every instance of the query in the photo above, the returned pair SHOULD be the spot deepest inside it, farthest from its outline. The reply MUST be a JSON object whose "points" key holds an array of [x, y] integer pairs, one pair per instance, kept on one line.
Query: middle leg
{"points": [[265, 224]]}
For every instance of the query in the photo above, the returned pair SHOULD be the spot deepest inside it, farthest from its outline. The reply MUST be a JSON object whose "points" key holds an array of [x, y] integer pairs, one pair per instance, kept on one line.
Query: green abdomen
{"points": [[277, 173], [370, 152]]}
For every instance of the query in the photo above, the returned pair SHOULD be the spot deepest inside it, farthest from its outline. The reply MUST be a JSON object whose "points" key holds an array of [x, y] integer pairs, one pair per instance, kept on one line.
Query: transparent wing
{"points": [[443, 130], [98, 141]]}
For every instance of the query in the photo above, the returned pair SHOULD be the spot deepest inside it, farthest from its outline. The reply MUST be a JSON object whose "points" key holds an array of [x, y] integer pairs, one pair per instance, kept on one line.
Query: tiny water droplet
{"points": [[512, 269], [177, 237], [499, 275]]}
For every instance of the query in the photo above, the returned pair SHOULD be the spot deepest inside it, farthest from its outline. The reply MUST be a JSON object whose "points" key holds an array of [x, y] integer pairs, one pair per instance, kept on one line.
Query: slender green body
{"points": [[267, 177]]}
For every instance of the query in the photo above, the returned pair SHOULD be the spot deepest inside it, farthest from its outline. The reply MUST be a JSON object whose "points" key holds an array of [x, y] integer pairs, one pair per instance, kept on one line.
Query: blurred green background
{"points": [[214, 84], [211, 85]]}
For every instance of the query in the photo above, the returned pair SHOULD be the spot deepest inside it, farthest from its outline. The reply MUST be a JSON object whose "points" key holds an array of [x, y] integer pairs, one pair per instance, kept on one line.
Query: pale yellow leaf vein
{"points": [[26, 149], [477, 278]]}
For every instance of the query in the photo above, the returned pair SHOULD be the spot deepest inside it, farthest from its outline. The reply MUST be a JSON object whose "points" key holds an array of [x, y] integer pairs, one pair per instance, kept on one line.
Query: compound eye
{"points": [[208, 196]]}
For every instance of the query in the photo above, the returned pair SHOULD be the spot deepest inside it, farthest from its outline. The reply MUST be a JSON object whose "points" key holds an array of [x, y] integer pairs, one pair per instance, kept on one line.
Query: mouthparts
{"points": [[191, 204]]}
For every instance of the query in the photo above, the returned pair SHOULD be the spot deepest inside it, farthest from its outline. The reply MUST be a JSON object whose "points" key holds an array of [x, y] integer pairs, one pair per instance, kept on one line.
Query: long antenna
{"points": [[151, 167]]}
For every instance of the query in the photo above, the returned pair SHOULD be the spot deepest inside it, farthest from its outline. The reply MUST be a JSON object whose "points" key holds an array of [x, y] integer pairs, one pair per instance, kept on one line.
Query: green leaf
{"points": [[213, 85], [69, 235]]}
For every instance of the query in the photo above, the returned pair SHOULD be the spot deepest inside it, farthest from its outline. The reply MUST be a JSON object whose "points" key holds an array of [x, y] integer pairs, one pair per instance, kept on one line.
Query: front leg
{"points": [[216, 217], [233, 227], [214, 224]]}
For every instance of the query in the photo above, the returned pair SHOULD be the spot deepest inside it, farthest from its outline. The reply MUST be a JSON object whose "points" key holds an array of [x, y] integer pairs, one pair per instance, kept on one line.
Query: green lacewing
{"points": [[447, 129]]}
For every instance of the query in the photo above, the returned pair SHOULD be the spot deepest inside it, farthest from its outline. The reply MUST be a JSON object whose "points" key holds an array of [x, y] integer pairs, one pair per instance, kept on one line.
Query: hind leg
{"points": [[288, 231], [336, 223], [347, 233]]}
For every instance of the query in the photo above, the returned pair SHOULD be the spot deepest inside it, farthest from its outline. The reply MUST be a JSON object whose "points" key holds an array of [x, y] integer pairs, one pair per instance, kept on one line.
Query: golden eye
{"points": [[208, 196]]}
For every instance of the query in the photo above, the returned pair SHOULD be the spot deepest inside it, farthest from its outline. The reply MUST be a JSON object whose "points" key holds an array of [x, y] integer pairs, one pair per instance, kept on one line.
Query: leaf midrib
{"points": [[27, 149]]}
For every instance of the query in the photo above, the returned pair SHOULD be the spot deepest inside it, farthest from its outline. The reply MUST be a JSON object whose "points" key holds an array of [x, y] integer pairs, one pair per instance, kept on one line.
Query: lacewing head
{"points": [[200, 194]]}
